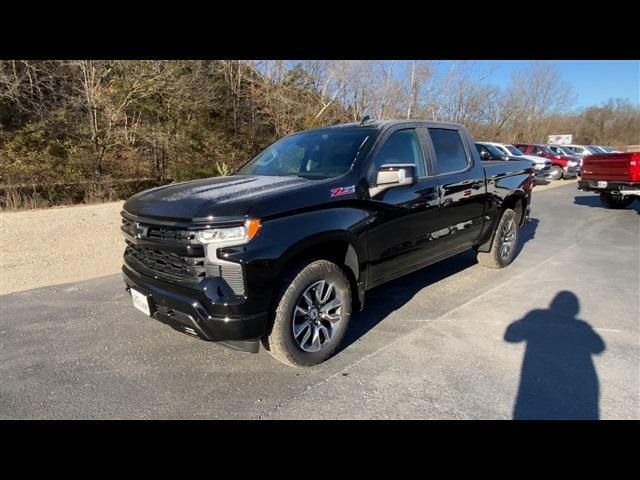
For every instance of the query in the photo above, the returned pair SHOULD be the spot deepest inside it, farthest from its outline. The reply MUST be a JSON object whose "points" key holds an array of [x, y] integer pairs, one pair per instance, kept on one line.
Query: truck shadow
{"points": [[588, 201], [381, 301], [558, 379], [594, 201]]}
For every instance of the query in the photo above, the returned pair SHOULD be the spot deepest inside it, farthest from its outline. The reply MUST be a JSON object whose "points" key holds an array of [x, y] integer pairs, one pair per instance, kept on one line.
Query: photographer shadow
{"points": [[558, 379]]}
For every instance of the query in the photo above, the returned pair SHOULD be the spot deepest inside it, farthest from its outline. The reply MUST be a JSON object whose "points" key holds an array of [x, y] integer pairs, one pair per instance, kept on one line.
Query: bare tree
{"points": [[536, 93], [106, 105]]}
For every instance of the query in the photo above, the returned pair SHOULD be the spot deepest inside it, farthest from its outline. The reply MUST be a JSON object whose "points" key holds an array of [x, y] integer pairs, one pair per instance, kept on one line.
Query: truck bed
{"points": [[498, 168]]}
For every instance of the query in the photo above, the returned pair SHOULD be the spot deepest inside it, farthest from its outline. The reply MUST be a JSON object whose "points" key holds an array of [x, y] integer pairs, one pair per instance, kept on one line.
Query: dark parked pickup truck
{"points": [[283, 250]]}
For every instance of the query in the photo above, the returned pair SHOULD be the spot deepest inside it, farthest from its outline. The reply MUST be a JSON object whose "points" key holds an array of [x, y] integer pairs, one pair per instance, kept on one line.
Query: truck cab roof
{"points": [[382, 124]]}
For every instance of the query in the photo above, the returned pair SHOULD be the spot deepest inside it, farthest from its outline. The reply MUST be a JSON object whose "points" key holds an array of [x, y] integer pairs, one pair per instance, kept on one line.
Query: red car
{"points": [[562, 166]]}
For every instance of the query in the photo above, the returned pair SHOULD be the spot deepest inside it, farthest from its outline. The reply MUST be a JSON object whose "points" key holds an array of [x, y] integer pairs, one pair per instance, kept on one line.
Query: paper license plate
{"points": [[140, 301]]}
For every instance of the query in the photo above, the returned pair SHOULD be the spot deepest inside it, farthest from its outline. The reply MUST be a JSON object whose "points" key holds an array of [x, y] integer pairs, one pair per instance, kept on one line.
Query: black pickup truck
{"points": [[283, 250]]}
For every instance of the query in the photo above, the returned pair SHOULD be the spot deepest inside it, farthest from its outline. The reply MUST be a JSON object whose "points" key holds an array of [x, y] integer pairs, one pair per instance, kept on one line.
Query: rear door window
{"points": [[450, 153]]}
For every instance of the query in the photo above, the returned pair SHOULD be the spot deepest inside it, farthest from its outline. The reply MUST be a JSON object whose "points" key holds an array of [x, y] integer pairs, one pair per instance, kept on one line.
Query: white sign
{"points": [[560, 139]]}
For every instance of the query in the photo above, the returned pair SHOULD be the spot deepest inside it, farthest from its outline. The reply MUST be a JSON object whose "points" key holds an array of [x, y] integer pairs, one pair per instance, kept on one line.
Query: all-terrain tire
{"points": [[280, 341], [615, 201], [495, 258]]}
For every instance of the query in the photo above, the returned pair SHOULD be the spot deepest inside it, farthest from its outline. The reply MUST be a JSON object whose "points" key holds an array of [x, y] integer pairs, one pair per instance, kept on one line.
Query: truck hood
{"points": [[218, 198], [570, 158]]}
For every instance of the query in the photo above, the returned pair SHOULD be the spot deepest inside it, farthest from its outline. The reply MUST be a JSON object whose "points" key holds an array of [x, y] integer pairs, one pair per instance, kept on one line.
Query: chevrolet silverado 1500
{"points": [[282, 251]]}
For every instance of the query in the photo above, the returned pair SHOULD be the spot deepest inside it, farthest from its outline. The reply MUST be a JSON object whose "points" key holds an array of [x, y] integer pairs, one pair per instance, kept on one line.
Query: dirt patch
{"points": [[59, 245]]}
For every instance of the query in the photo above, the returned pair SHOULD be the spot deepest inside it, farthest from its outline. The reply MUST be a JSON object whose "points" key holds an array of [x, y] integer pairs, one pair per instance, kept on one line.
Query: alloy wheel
{"points": [[317, 315], [508, 239]]}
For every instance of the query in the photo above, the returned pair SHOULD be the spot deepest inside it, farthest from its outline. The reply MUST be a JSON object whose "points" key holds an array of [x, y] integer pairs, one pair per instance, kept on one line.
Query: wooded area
{"points": [[73, 122]]}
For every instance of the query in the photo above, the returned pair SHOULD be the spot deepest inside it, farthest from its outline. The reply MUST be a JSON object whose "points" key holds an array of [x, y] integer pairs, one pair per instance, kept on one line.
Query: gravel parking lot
{"points": [[555, 335]]}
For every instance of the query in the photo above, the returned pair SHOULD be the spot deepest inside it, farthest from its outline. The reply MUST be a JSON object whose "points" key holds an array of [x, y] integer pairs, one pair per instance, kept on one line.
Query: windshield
{"points": [[593, 149], [495, 151], [565, 151], [597, 149], [514, 151], [315, 154]]}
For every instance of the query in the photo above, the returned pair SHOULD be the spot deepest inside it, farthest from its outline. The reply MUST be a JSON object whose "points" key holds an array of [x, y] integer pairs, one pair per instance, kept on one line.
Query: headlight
{"points": [[240, 234]]}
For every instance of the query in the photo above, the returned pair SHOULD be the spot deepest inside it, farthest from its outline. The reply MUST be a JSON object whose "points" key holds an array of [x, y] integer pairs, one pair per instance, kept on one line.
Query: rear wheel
{"points": [[312, 315], [505, 242], [610, 200], [556, 173]]}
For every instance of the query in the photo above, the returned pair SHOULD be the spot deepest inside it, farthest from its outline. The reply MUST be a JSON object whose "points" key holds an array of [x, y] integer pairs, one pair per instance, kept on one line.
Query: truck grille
{"points": [[157, 258], [165, 264], [158, 232]]}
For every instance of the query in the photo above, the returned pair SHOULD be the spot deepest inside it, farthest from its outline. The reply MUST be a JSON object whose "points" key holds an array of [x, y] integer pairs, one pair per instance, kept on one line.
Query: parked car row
{"points": [[551, 162], [492, 151], [563, 165], [548, 164], [584, 150]]}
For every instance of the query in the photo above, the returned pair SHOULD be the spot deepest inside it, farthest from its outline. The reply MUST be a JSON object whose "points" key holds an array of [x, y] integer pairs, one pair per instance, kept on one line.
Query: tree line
{"points": [[97, 120]]}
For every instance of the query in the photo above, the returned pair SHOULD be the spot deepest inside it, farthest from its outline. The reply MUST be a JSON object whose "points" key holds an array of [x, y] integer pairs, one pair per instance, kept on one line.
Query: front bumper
{"points": [[570, 172], [189, 310]]}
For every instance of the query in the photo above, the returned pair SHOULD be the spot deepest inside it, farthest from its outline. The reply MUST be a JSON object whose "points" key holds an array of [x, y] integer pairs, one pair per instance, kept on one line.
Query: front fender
{"points": [[281, 240], [304, 231]]}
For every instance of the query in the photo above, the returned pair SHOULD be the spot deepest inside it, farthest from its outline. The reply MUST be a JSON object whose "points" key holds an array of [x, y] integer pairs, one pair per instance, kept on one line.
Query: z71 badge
{"points": [[340, 191]]}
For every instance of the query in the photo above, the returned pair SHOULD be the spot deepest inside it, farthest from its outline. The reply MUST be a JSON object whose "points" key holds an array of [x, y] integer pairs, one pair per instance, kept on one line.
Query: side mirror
{"points": [[392, 175], [484, 155]]}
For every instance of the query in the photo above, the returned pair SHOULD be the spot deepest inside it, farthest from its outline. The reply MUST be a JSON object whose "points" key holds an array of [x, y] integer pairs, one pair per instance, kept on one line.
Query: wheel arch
{"points": [[517, 201], [340, 247]]}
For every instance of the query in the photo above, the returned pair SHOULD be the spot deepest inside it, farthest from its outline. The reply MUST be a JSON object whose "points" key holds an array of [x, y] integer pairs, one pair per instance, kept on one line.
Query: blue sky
{"points": [[593, 82]]}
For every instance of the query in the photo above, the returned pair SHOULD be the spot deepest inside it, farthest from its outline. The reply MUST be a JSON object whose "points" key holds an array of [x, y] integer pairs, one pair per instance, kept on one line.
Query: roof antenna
{"points": [[365, 119]]}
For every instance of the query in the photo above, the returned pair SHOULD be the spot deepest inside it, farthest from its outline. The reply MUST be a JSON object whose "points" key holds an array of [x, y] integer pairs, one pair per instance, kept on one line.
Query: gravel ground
{"points": [[70, 244], [59, 245]]}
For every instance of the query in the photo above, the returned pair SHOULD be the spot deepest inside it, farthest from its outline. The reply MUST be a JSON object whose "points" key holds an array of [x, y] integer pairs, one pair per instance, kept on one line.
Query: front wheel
{"points": [[556, 173], [505, 242], [312, 315], [615, 201]]}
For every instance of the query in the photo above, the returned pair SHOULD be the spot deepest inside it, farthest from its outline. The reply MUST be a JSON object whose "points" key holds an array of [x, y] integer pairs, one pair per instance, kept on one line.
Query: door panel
{"points": [[402, 229], [402, 218], [462, 208], [461, 184]]}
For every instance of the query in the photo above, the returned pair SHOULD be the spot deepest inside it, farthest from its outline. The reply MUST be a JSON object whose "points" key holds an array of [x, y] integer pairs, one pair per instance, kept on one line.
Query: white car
{"points": [[541, 164], [608, 149], [581, 150]]}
